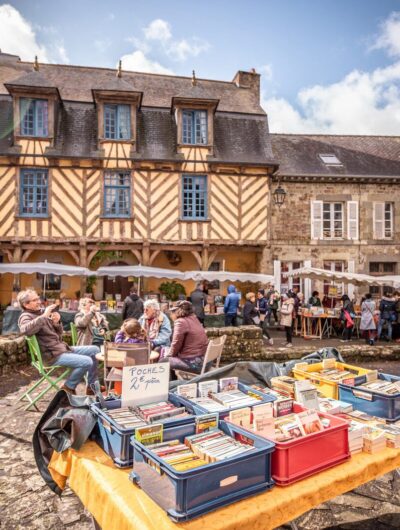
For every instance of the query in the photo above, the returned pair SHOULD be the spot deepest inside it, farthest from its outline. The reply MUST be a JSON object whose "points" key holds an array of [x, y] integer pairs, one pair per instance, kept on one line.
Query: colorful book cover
{"points": [[206, 422], [241, 417], [228, 383], [149, 435], [206, 388], [188, 391]]}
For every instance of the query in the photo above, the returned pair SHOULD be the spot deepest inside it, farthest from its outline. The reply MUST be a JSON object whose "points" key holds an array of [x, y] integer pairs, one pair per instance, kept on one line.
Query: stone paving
{"points": [[27, 503]]}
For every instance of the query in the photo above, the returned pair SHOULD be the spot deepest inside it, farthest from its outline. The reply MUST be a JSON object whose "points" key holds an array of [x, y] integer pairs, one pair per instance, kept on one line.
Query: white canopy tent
{"points": [[344, 277], [138, 271], [44, 268], [392, 281], [228, 276]]}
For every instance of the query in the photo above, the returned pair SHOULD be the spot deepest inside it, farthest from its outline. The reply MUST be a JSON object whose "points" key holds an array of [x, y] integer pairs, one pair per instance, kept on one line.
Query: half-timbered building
{"points": [[104, 166]]}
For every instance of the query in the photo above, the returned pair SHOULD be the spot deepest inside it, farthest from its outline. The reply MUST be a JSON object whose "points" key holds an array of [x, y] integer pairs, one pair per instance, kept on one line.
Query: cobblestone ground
{"points": [[27, 503]]}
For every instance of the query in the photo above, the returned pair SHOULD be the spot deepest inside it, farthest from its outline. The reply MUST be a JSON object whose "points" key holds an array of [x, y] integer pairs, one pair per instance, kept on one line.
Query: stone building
{"points": [[342, 210], [102, 166]]}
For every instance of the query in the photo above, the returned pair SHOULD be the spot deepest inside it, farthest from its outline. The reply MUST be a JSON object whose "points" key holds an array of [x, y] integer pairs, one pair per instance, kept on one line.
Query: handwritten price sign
{"points": [[145, 383]]}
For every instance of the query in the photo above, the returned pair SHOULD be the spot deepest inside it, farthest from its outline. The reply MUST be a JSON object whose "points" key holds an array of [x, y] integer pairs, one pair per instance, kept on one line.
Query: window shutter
{"points": [[379, 220], [352, 220], [316, 219]]}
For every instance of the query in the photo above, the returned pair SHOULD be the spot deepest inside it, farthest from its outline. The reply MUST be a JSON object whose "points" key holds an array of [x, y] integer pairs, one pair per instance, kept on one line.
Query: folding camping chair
{"points": [[45, 371], [212, 355], [74, 334]]}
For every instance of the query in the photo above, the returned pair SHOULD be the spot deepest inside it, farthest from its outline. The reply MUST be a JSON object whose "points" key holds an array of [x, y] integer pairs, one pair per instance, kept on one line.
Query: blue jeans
{"points": [[389, 327], [230, 320], [82, 359]]}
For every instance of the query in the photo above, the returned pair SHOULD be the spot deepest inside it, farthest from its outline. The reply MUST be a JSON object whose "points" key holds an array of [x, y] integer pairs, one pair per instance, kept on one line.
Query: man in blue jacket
{"points": [[231, 306]]}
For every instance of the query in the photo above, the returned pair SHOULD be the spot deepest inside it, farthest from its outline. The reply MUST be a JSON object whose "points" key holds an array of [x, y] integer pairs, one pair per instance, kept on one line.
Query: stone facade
{"points": [[243, 343]]}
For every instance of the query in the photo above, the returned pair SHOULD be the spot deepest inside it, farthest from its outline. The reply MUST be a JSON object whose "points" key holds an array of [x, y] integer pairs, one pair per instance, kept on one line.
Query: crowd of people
{"points": [[183, 347]]}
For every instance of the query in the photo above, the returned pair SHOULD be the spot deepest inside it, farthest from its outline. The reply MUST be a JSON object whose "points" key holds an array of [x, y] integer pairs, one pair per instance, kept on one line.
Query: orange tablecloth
{"points": [[117, 504]]}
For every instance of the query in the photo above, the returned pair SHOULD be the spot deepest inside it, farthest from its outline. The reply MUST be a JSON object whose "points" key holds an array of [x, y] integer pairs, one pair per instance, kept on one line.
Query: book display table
{"points": [[116, 503]]}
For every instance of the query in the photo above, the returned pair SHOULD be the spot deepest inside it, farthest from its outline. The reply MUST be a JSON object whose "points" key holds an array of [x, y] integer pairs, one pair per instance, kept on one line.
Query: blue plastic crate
{"points": [[374, 404], [116, 441], [198, 410], [189, 494]]}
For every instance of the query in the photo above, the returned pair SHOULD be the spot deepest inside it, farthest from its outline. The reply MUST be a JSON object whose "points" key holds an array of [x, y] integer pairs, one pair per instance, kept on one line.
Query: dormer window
{"points": [[34, 117], [330, 160], [194, 127], [117, 122]]}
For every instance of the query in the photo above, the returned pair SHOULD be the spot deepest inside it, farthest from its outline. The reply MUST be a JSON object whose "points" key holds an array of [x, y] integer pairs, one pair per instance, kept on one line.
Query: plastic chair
{"points": [[212, 355], [45, 371], [74, 334]]}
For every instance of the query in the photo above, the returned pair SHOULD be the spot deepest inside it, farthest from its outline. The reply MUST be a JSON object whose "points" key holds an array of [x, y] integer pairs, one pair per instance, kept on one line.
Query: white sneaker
{"points": [[271, 342], [289, 345]]}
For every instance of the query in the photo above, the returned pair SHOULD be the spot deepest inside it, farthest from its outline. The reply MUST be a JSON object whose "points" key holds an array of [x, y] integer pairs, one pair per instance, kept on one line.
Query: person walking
{"points": [[250, 312], [388, 315], [367, 323], [273, 304], [199, 300], [231, 306], [347, 316], [262, 307], [286, 321], [133, 305]]}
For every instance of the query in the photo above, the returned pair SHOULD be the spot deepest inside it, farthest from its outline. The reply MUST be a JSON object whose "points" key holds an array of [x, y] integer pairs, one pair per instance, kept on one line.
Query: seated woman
{"points": [[189, 340], [91, 324], [156, 325], [131, 332]]}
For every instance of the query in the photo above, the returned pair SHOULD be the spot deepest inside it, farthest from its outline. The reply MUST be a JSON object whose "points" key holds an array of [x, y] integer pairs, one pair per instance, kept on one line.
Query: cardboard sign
{"points": [[143, 384]]}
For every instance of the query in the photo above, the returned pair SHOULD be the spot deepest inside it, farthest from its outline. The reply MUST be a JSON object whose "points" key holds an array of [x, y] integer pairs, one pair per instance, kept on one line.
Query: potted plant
{"points": [[172, 290]]}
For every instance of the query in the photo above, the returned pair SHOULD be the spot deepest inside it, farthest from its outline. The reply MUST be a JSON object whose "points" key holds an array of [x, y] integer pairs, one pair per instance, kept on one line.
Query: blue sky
{"points": [[327, 65]]}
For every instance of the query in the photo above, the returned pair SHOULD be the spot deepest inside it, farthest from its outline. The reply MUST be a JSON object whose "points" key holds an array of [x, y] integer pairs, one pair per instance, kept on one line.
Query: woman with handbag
{"points": [[367, 323], [347, 316]]}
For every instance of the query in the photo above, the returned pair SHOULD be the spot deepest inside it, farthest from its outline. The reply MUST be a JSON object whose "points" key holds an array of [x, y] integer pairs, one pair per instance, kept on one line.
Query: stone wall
{"points": [[243, 343], [13, 352]]}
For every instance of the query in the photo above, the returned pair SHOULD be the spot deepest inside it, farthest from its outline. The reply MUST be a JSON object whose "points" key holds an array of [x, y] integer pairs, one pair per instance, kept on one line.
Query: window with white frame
{"points": [[383, 220], [289, 283], [332, 220]]}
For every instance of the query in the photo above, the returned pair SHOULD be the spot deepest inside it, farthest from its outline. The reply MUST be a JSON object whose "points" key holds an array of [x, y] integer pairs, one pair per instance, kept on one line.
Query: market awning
{"points": [[44, 268], [344, 277], [138, 271], [390, 280], [228, 276]]}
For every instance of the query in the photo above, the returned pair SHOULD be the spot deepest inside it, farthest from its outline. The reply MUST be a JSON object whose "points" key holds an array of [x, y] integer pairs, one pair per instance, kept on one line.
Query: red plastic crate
{"points": [[306, 456]]}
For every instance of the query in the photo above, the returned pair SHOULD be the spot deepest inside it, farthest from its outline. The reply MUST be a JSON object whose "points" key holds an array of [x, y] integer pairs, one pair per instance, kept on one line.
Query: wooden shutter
{"points": [[316, 219], [379, 220], [352, 220]]}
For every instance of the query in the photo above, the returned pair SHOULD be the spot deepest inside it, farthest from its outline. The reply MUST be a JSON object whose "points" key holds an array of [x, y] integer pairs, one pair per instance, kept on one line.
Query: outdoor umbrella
{"points": [[227, 275], [138, 270], [344, 277]]}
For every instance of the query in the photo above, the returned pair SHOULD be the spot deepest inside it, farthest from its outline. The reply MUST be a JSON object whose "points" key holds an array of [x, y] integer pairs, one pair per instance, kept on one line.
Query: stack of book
{"points": [[298, 425], [356, 430], [159, 412], [126, 418], [361, 417], [334, 406], [392, 435], [260, 419], [386, 388], [374, 440], [235, 398], [284, 385]]}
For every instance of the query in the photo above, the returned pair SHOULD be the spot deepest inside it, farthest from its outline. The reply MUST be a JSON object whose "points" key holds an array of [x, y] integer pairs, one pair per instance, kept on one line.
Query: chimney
{"points": [[248, 80]]}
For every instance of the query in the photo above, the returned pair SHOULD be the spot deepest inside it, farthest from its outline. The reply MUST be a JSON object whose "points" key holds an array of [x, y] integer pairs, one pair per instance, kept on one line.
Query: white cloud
{"points": [[266, 71], [389, 37], [19, 37], [158, 40], [181, 50], [138, 62], [360, 103], [158, 29]]}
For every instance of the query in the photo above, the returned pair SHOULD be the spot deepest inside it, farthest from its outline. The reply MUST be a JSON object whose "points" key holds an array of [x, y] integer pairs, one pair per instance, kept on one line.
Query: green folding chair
{"points": [[74, 334], [45, 371]]}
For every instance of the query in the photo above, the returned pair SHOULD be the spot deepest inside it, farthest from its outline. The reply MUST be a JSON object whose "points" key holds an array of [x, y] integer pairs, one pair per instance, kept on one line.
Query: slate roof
{"points": [[75, 83], [360, 155], [32, 79]]}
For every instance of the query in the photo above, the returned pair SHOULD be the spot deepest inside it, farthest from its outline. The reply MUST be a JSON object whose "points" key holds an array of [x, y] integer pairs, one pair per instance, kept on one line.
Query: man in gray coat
{"points": [[48, 330], [199, 299]]}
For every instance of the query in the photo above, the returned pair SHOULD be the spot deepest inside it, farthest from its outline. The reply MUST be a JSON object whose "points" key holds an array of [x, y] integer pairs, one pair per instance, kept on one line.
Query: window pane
{"points": [[201, 126], [117, 190], [194, 197], [110, 118], [27, 116], [33, 194], [41, 116], [187, 127], [124, 122]]}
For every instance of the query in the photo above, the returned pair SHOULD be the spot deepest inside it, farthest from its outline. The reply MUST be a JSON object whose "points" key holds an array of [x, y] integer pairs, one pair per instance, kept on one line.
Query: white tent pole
{"points": [[44, 284]]}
